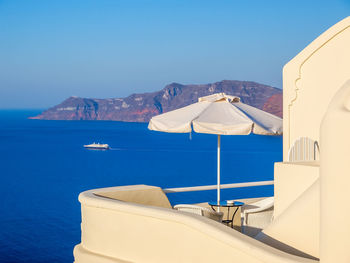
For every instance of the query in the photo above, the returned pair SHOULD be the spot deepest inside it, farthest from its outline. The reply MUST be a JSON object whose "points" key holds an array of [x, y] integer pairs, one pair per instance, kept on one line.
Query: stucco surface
{"points": [[311, 79], [335, 179], [291, 181], [129, 232]]}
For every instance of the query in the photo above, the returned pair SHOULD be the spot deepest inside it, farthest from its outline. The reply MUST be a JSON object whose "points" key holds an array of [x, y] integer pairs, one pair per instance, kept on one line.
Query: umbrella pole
{"points": [[218, 190]]}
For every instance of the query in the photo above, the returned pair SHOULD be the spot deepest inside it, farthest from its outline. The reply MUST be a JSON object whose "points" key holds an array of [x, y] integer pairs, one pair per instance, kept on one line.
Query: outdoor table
{"points": [[235, 204]]}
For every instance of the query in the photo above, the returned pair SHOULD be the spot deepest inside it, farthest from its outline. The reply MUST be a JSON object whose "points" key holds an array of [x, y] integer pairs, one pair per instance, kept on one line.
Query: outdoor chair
{"points": [[304, 149], [198, 210], [256, 216]]}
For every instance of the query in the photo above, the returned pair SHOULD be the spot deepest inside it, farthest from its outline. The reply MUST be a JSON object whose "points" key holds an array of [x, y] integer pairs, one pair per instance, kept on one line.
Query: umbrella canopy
{"points": [[219, 114]]}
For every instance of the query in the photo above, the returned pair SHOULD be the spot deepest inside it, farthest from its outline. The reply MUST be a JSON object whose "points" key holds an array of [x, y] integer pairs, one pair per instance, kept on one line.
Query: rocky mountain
{"points": [[141, 107], [274, 105]]}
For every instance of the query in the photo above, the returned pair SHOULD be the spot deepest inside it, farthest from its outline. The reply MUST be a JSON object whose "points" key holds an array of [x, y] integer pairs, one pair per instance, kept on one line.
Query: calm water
{"points": [[44, 167]]}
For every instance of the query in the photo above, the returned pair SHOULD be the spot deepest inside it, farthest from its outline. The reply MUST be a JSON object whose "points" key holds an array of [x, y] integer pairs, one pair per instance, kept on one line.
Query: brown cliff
{"points": [[274, 105], [141, 107]]}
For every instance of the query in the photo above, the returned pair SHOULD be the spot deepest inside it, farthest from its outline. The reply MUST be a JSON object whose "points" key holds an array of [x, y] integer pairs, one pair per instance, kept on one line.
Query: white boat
{"points": [[97, 146]]}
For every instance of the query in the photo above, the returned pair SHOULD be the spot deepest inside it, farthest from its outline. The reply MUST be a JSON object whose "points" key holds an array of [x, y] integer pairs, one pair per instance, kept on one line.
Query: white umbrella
{"points": [[219, 114]]}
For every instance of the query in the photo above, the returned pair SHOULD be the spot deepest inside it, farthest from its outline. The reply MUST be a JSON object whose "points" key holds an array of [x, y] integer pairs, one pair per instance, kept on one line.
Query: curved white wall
{"points": [[335, 179], [311, 79], [117, 231]]}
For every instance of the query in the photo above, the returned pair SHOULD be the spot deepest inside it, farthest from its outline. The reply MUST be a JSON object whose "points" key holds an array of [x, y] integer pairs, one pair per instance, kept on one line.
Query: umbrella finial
{"points": [[218, 97]]}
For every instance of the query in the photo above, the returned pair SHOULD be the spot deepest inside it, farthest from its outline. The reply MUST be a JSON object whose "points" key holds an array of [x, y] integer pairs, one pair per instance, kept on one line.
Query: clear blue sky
{"points": [[50, 50]]}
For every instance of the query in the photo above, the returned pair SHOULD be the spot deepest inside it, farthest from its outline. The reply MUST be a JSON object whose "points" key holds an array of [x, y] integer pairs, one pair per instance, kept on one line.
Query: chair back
{"points": [[190, 209], [304, 149], [199, 210]]}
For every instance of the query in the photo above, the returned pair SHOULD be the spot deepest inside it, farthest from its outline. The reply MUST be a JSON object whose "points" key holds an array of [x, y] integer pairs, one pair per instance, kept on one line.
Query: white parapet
{"points": [[122, 231], [291, 181]]}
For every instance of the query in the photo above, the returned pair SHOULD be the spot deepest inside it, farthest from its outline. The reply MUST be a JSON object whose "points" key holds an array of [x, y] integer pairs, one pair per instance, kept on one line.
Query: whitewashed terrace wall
{"points": [[311, 79]]}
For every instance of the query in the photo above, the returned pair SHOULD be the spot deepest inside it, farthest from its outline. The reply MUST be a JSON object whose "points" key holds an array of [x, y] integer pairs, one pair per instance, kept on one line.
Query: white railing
{"points": [[213, 187]]}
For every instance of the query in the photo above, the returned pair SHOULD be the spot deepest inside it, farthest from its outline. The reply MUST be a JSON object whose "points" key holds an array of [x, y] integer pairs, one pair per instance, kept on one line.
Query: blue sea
{"points": [[44, 167]]}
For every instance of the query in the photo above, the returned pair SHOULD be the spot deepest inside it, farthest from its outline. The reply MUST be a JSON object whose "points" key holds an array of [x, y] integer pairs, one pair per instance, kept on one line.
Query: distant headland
{"points": [[141, 107]]}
